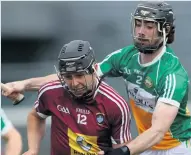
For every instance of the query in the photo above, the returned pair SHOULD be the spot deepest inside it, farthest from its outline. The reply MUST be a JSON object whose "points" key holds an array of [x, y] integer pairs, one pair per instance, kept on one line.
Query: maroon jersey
{"points": [[79, 128]]}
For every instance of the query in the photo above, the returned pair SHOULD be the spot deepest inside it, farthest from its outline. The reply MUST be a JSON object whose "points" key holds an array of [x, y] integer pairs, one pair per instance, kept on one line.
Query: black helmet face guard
{"points": [[145, 39], [78, 68], [159, 13], [76, 61]]}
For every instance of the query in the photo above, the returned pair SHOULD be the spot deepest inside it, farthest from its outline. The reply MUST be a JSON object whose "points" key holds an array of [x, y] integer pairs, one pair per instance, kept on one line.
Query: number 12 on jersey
{"points": [[82, 119]]}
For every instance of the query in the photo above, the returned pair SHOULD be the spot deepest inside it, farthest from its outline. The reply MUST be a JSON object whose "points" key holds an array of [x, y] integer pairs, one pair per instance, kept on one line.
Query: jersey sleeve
{"points": [[174, 89], [41, 105], [121, 123], [111, 65], [6, 124]]}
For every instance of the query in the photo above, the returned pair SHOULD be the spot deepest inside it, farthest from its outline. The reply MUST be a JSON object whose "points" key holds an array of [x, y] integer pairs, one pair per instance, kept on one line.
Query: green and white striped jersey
{"points": [[164, 79], [5, 123]]}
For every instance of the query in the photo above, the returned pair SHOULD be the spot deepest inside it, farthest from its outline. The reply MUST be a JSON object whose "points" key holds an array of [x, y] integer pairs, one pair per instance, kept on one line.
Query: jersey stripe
{"points": [[125, 119], [120, 102], [165, 89], [125, 107], [158, 68], [174, 86], [121, 130], [48, 87], [49, 84], [170, 85]]}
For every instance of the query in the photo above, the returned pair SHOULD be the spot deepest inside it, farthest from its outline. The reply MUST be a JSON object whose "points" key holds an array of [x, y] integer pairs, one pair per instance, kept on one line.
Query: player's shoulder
{"points": [[172, 65], [110, 97], [127, 50], [53, 87]]}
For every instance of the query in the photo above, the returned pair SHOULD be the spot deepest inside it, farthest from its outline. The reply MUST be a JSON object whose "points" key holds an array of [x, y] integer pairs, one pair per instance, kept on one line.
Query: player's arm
{"points": [[113, 63], [174, 89], [11, 136], [110, 65], [161, 122], [13, 142], [28, 84], [162, 119], [36, 122], [35, 131], [36, 83]]}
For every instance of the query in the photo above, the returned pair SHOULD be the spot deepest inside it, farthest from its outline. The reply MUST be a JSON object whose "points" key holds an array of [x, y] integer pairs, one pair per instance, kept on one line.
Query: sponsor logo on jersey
{"points": [[83, 144], [83, 111], [63, 109], [138, 72], [100, 118], [142, 98], [148, 82]]}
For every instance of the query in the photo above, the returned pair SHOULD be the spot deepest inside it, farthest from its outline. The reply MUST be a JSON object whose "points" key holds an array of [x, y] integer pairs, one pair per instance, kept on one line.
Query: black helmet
{"points": [[162, 14], [76, 56]]}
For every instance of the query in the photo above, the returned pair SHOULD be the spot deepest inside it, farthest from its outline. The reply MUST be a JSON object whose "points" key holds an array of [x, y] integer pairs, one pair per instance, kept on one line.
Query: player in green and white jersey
{"points": [[10, 135], [157, 84]]}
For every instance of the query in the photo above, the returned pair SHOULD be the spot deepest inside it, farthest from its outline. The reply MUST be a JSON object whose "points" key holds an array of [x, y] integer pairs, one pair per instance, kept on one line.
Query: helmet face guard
{"points": [[158, 13], [143, 43], [77, 58]]}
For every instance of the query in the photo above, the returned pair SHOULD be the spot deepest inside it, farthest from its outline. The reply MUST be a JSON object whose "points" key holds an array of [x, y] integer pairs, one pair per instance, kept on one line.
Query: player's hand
{"points": [[14, 88], [101, 153], [124, 150], [30, 152]]}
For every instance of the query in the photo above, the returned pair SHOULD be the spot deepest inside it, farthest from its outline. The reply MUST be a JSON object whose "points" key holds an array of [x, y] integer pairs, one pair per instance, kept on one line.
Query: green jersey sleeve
{"points": [[174, 89], [5, 123], [111, 65]]}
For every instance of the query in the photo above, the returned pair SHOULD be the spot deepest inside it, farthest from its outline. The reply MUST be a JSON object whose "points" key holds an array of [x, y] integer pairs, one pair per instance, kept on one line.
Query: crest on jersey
{"points": [[83, 144], [100, 118], [148, 82]]}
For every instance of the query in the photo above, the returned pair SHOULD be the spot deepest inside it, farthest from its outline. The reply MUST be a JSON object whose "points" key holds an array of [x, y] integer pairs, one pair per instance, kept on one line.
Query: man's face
{"points": [[146, 32], [79, 83]]}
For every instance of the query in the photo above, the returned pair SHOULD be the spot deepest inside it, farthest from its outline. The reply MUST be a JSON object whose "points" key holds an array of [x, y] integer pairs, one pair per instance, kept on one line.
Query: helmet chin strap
{"points": [[164, 37]]}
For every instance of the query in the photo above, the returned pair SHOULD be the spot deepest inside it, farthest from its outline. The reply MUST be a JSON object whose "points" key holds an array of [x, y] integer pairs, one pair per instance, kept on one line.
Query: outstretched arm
{"points": [[31, 84], [162, 119]]}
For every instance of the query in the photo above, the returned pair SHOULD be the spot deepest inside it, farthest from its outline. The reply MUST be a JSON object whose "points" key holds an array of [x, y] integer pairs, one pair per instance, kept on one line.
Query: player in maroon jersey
{"points": [[87, 114]]}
